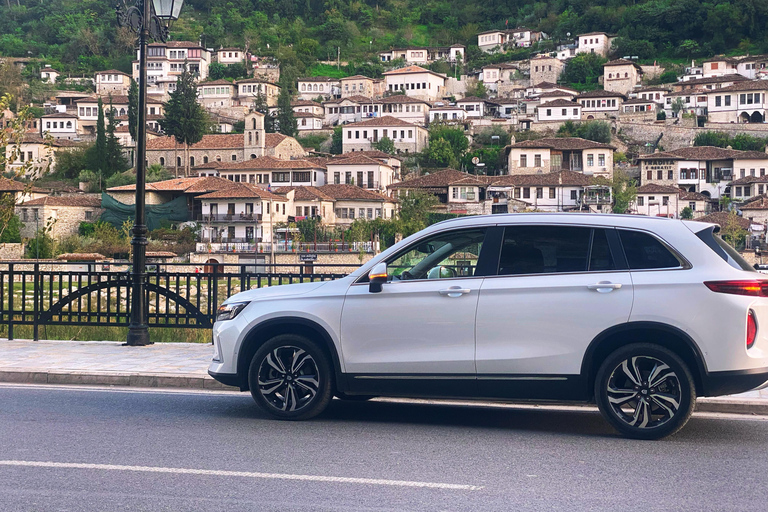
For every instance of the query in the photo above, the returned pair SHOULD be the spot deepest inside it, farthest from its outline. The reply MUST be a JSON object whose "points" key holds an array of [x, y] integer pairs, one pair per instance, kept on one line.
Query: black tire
{"points": [[353, 398], [637, 406], [291, 378]]}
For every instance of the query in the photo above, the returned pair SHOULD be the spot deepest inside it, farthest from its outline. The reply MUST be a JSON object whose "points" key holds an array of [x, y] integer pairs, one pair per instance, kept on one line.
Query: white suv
{"points": [[640, 315]]}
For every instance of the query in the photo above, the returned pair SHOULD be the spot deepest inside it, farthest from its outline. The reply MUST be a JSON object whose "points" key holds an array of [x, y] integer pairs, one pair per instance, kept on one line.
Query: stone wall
{"points": [[455, 87], [684, 132], [237, 113], [11, 252]]}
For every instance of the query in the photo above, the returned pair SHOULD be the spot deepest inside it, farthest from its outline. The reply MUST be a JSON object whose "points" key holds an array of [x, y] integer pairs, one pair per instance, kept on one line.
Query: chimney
{"points": [[729, 147], [656, 150]]}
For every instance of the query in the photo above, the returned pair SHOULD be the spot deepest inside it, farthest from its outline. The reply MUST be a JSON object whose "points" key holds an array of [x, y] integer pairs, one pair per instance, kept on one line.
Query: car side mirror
{"points": [[377, 277]]}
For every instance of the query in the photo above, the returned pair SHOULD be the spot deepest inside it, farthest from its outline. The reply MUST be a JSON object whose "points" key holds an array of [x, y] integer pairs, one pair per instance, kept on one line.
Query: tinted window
{"points": [[544, 249], [724, 249], [447, 255], [600, 257], [643, 251]]}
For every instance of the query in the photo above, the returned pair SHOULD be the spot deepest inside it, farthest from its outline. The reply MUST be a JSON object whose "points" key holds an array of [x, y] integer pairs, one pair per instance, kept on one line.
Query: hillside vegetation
{"points": [[80, 36]]}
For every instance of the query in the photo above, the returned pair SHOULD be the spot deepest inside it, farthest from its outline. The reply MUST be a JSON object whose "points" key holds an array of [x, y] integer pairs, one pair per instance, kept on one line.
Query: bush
{"points": [[41, 246], [661, 115], [12, 232], [86, 228], [120, 179]]}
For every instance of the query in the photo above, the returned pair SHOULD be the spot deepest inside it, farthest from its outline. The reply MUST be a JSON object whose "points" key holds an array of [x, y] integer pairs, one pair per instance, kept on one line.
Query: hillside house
{"points": [[417, 82], [560, 154], [595, 42], [408, 138]]}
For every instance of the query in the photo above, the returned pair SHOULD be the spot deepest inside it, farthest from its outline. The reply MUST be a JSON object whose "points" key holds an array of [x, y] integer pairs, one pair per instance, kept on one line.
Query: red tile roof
{"points": [[305, 193], [223, 141], [382, 121], [561, 144], [352, 193], [186, 185], [434, 180], [655, 188], [723, 218], [268, 163], [82, 201], [242, 191], [356, 160]]}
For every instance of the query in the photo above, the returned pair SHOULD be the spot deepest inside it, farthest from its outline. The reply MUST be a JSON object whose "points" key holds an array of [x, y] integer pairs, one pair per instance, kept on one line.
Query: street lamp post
{"points": [[149, 19]]}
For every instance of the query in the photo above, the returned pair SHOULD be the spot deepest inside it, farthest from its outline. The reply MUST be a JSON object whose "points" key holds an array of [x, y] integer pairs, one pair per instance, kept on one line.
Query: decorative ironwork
{"points": [[132, 17]]}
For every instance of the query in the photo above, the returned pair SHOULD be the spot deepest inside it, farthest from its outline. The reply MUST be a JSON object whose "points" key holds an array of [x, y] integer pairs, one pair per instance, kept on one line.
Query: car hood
{"points": [[271, 292]]}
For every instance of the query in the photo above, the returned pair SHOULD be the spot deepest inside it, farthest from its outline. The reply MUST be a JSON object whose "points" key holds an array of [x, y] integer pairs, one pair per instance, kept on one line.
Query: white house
{"points": [[595, 42], [666, 201], [112, 82], [242, 213], [559, 110], [417, 82], [407, 108], [359, 85], [693, 102], [167, 60], [59, 125], [600, 104], [350, 110], [363, 171], [307, 121], [216, 93], [743, 102], [49, 75], [560, 154], [229, 56], [447, 114], [408, 138], [318, 86]]}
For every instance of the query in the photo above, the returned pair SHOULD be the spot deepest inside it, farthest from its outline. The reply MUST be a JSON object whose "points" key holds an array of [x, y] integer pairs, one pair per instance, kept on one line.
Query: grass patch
{"points": [[313, 141], [104, 333], [326, 70]]}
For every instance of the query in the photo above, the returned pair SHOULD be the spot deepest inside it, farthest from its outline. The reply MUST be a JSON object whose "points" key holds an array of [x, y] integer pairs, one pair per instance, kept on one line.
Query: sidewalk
{"points": [[185, 365]]}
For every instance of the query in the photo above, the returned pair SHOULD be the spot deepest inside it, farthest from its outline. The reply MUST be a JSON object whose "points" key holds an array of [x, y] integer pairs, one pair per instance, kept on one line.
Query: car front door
{"points": [[557, 288], [421, 326]]}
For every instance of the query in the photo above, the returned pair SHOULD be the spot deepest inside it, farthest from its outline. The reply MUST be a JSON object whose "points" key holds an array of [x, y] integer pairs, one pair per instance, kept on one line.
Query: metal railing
{"points": [[99, 294], [242, 245], [230, 217]]}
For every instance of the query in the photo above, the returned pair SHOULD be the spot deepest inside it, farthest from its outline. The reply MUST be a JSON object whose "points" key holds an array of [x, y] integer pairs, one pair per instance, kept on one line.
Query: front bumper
{"points": [[229, 379], [732, 382]]}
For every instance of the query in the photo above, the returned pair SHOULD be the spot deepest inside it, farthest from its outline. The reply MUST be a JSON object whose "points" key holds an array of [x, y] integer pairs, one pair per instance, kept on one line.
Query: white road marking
{"points": [[243, 474]]}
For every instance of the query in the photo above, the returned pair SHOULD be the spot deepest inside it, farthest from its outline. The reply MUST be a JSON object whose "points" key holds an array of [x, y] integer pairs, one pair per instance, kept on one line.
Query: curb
{"points": [[197, 381], [124, 379]]}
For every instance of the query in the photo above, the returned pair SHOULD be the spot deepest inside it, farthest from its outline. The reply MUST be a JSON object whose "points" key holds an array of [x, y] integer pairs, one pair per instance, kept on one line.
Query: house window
{"points": [[526, 193], [573, 195], [601, 160], [659, 175], [590, 160], [551, 192], [665, 200], [649, 175], [517, 193], [728, 101], [539, 192], [670, 175], [692, 205], [640, 201], [537, 160], [523, 160]]}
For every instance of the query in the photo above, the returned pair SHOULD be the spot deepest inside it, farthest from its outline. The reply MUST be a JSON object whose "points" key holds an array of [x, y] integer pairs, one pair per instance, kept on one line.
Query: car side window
{"points": [[443, 256], [600, 257], [644, 251], [544, 249]]}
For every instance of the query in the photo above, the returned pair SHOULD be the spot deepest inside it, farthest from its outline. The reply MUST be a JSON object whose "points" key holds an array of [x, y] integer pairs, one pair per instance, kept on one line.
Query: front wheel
{"points": [[645, 391], [290, 377]]}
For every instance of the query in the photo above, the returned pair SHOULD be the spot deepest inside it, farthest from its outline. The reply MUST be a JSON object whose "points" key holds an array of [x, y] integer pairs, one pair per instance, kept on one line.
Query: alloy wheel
{"points": [[644, 392], [288, 378]]}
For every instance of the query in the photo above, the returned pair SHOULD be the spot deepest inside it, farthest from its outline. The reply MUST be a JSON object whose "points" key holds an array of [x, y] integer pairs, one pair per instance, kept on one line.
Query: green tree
{"points": [[584, 70], [286, 122], [260, 105], [337, 140], [415, 208], [386, 145], [97, 160], [133, 110], [115, 161], [41, 246], [455, 137], [185, 119], [687, 213], [732, 233], [624, 191], [12, 232], [439, 154], [678, 106], [598, 131], [477, 89]]}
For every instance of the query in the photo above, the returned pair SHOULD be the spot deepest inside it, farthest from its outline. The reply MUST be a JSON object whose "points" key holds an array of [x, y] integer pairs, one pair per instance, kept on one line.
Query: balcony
{"points": [[229, 218]]}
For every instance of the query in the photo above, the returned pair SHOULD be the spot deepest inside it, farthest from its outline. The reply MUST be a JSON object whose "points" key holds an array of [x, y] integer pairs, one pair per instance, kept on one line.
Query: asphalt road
{"points": [[83, 449]]}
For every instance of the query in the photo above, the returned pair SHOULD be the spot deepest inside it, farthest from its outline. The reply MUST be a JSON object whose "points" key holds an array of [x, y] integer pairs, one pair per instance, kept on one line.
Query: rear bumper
{"points": [[732, 382]]}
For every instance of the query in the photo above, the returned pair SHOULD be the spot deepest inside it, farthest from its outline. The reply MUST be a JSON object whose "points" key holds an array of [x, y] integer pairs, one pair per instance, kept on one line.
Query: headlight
{"points": [[230, 311]]}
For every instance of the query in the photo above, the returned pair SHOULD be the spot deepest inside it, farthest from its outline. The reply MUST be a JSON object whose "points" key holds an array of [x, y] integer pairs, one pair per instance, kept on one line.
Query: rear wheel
{"points": [[290, 377], [645, 391]]}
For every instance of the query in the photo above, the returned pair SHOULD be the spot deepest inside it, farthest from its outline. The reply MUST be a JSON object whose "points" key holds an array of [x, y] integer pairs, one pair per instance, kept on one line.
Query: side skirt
{"points": [[518, 387]]}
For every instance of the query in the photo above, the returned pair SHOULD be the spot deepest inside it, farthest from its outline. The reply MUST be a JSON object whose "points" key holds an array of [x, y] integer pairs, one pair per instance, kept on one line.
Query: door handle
{"points": [[604, 286], [454, 291]]}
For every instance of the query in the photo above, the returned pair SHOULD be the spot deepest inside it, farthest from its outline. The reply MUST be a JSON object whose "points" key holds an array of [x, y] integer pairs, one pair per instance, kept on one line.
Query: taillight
{"points": [[751, 329], [753, 288]]}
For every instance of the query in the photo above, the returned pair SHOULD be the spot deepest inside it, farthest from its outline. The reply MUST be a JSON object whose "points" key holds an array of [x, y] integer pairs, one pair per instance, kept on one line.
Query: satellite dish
{"points": [[475, 160]]}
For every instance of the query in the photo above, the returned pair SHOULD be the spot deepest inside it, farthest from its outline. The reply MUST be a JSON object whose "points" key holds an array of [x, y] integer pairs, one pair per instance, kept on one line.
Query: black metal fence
{"points": [[99, 294]]}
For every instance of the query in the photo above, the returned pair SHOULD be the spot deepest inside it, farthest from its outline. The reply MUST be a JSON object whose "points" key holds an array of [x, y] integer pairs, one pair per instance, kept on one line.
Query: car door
{"points": [[557, 288], [421, 326]]}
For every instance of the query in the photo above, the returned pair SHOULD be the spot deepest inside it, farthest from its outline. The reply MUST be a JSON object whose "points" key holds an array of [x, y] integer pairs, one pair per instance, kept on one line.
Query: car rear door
{"points": [[557, 288]]}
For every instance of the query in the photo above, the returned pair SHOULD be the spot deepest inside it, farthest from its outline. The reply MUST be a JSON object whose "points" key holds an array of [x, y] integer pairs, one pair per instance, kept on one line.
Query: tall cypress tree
{"points": [[286, 121], [260, 105], [185, 119], [115, 161], [97, 154]]}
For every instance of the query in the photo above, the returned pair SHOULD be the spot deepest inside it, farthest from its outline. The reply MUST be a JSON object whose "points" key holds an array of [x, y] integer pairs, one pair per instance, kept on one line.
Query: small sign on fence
{"points": [[307, 257]]}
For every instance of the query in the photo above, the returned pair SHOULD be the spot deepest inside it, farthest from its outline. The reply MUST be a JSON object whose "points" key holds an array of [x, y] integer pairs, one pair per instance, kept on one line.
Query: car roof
{"points": [[601, 219]]}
